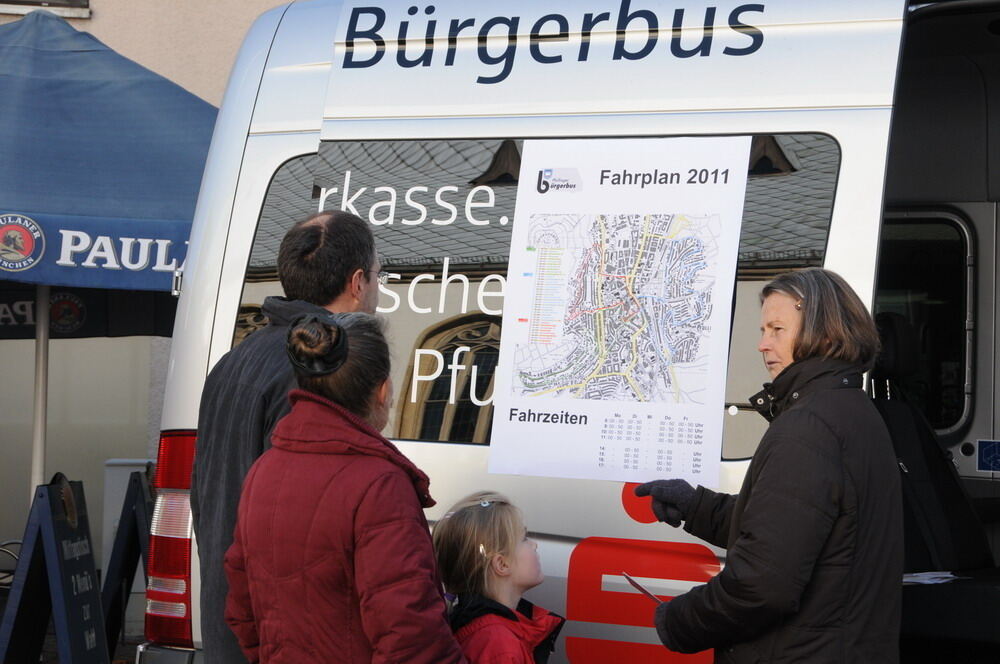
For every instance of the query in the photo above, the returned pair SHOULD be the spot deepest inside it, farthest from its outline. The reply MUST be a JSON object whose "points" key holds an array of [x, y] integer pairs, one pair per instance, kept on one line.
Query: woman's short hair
{"points": [[475, 529], [835, 322], [362, 364]]}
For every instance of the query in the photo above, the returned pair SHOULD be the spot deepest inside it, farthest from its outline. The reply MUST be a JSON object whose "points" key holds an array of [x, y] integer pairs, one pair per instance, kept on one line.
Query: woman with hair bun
{"points": [[332, 558]]}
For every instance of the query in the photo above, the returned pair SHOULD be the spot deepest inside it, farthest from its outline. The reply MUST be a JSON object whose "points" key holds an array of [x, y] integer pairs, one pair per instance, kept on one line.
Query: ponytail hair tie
{"points": [[324, 364]]}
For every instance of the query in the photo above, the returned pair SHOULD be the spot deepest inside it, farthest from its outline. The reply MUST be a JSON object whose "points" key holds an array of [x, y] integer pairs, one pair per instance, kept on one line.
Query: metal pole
{"points": [[41, 386]]}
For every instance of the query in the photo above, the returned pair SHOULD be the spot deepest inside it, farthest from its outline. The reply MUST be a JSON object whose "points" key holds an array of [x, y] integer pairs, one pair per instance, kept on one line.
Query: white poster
{"points": [[617, 311]]}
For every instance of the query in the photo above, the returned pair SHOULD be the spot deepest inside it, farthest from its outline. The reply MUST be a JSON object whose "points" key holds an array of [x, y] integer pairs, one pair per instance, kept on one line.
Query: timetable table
{"points": [[662, 443]]}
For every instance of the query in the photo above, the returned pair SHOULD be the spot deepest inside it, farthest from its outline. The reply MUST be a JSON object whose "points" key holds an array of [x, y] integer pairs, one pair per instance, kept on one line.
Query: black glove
{"points": [[660, 622], [671, 499]]}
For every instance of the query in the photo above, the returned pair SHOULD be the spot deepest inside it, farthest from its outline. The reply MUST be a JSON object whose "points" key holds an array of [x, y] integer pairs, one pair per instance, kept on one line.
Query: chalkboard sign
{"points": [[55, 577], [131, 547]]}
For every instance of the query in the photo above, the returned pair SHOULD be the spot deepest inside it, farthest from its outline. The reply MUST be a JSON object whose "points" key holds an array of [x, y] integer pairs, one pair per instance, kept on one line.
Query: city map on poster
{"points": [[616, 318], [628, 297]]}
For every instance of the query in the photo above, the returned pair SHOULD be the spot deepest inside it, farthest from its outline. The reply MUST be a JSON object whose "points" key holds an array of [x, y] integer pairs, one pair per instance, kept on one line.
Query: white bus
{"points": [[871, 154]]}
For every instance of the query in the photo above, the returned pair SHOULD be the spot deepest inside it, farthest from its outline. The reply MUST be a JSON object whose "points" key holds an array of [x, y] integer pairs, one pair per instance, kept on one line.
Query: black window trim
{"points": [[63, 8]]}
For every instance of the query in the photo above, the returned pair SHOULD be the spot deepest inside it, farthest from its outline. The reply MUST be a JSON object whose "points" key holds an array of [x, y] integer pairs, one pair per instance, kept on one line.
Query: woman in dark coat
{"points": [[331, 559], [814, 539]]}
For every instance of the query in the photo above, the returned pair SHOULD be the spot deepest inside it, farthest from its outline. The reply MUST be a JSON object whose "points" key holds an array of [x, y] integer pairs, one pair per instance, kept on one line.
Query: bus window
{"points": [[925, 275], [442, 211]]}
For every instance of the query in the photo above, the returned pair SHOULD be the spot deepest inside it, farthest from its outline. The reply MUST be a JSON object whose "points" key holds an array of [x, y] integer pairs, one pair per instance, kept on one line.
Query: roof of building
{"points": [[786, 216]]}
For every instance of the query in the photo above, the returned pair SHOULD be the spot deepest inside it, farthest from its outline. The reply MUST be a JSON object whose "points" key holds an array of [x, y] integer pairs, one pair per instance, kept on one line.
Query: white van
{"points": [[414, 116]]}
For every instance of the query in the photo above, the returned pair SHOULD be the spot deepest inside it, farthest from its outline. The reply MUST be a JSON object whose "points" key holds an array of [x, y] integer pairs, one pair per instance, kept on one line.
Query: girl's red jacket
{"points": [[491, 633]]}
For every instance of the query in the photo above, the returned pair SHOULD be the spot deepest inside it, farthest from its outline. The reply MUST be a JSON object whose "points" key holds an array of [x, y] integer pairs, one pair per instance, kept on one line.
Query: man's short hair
{"points": [[318, 256]]}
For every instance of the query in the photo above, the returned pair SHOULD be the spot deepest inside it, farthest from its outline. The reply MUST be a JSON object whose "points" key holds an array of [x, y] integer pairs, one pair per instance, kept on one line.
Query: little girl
{"points": [[486, 559]]}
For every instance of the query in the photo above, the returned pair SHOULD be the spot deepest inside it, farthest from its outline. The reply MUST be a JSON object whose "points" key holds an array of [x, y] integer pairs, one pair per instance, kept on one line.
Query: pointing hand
{"points": [[671, 499]]}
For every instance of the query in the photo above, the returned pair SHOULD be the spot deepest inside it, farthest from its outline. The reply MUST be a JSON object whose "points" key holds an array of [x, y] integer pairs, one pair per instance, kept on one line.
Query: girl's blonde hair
{"points": [[467, 537]]}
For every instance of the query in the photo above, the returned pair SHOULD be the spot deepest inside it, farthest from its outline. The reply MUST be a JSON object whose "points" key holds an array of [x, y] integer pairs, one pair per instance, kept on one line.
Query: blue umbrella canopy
{"points": [[100, 164], [100, 161]]}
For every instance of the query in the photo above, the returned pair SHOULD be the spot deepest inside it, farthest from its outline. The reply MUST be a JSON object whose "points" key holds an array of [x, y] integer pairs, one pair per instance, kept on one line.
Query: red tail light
{"points": [[174, 460], [168, 594]]}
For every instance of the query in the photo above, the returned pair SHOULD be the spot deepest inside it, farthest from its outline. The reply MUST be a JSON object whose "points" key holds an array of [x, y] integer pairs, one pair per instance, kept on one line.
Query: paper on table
{"points": [[928, 578]]}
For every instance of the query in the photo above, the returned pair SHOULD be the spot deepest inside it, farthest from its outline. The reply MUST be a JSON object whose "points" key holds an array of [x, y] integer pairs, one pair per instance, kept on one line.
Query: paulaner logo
{"points": [[67, 313], [551, 38], [22, 242], [558, 179]]}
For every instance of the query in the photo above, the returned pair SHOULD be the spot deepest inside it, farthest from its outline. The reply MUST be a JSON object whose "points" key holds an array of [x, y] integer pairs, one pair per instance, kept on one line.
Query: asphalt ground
{"points": [[124, 651]]}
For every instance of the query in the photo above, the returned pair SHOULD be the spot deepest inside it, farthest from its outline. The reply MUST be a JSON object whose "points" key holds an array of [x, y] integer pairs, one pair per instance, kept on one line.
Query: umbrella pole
{"points": [[41, 386]]}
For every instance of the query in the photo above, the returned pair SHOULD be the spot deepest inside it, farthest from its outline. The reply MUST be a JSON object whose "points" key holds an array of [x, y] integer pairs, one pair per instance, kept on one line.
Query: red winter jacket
{"points": [[331, 559], [490, 633]]}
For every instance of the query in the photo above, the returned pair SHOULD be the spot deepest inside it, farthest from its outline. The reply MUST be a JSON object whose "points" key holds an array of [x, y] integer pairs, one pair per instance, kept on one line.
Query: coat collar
{"points": [[801, 378], [282, 311], [536, 626], [317, 425]]}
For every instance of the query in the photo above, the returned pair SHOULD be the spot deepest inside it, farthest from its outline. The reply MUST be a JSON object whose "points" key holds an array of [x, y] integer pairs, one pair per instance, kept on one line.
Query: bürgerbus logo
{"points": [[557, 179], [22, 242]]}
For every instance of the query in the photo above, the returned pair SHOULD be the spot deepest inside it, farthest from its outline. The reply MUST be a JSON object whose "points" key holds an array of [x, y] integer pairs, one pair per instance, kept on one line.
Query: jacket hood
{"points": [[470, 607], [322, 427], [538, 627], [801, 378], [282, 311]]}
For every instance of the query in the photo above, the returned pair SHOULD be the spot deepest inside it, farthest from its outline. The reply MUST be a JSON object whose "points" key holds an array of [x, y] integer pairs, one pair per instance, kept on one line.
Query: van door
{"points": [[939, 241]]}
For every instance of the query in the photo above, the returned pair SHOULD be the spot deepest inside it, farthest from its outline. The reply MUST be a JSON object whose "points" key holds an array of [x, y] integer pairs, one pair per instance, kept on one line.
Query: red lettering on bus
{"points": [[587, 600]]}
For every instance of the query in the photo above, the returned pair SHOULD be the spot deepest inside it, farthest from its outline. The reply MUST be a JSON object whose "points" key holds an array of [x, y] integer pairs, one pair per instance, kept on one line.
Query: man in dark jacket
{"points": [[814, 539], [325, 263]]}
